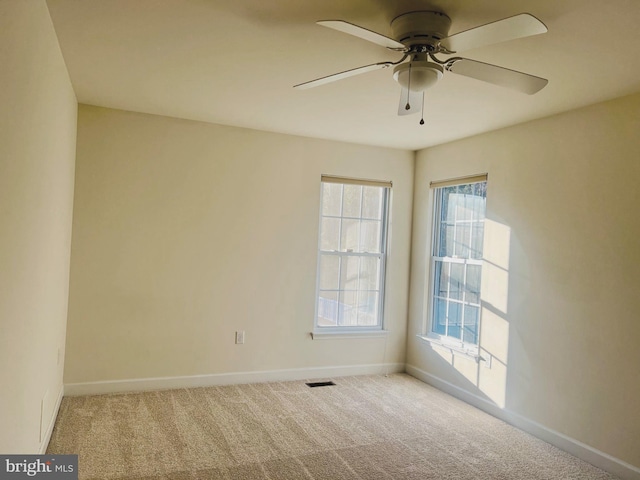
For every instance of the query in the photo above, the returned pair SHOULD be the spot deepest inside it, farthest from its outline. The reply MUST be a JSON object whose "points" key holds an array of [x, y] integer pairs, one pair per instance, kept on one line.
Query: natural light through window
{"points": [[456, 261], [351, 254]]}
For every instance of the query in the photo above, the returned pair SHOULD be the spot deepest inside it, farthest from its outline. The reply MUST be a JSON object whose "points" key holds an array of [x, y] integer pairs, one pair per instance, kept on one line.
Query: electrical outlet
{"points": [[487, 357], [240, 337]]}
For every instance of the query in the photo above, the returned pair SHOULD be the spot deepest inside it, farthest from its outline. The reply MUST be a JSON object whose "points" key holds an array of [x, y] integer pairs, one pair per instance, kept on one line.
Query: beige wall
{"points": [[561, 317], [37, 151], [185, 232]]}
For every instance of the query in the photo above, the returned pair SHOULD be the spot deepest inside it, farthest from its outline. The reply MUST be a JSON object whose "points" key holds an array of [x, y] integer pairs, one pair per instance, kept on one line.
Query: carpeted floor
{"points": [[366, 427]]}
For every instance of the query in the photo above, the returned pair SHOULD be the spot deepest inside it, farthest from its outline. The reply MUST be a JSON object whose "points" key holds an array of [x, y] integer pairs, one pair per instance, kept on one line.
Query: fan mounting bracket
{"points": [[422, 29]]}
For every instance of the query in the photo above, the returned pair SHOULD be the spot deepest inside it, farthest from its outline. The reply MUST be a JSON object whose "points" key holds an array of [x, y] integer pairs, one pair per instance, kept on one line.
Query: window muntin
{"points": [[456, 261], [351, 256]]}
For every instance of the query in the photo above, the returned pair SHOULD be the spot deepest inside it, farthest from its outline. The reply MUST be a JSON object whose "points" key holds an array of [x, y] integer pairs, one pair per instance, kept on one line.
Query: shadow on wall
{"points": [[486, 378]]}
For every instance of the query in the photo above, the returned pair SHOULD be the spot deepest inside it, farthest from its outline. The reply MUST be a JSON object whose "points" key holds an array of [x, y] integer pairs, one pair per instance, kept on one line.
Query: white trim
{"points": [[581, 450], [52, 422], [454, 347], [167, 383], [335, 334], [382, 255]]}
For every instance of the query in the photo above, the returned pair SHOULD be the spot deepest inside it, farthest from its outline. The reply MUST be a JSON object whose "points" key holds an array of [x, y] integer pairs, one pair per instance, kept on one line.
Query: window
{"points": [[456, 260], [351, 254]]}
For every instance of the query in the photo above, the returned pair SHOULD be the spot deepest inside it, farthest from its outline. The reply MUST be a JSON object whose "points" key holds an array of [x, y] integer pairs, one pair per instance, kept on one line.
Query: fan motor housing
{"points": [[420, 28]]}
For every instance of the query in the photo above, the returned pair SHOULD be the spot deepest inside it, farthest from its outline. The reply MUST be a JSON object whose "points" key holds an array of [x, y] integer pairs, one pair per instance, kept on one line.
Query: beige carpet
{"points": [[366, 427]]}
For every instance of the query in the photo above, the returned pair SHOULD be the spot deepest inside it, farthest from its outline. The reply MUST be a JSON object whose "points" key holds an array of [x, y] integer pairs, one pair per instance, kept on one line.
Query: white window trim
{"points": [[455, 347], [334, 332], [348, 332]]}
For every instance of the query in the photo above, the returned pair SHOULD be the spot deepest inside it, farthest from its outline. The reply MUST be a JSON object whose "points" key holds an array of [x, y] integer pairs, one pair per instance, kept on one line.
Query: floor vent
{"points": [[319, 384]]}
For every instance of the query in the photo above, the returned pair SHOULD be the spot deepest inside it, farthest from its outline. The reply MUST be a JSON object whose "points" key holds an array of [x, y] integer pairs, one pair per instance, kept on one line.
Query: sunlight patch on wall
{"points": [[495, 269], [494, 333], [494, 338], [464, 366]]}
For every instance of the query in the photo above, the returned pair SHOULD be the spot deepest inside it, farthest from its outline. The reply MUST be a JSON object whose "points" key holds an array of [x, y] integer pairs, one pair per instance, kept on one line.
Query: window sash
{"points": [[357, 287], [461, 312]]}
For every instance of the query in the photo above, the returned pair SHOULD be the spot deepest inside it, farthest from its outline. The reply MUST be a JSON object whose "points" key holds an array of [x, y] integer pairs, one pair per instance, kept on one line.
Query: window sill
{"points": [[333, 334], [469, 352]]}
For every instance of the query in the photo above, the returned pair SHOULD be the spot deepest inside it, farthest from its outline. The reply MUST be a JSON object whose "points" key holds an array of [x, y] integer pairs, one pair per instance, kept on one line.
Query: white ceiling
{"points": [[234, 62]]}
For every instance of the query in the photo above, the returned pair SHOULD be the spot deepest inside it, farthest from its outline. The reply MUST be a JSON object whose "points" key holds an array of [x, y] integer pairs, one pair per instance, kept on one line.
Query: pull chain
{"points": [[407, 106], [422, 112]]}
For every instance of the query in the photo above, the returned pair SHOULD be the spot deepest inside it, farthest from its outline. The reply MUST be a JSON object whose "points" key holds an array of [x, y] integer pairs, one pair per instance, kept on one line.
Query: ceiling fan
{"points": [[422, 35]]}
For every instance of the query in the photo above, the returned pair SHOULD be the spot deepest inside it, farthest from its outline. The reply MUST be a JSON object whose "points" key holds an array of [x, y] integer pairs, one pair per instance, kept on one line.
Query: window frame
{"points": [[354, 331], [454, 344]]}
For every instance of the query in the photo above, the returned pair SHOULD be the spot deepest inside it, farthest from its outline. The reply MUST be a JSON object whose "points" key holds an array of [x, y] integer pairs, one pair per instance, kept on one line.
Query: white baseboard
{"points": [[167, 383], [585, 452], [52, 422]]}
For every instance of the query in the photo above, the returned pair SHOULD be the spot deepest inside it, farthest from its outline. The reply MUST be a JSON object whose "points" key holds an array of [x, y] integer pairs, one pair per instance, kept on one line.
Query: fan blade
{"points": [[339, 76], [363, 33], [522, 82], [518, 26], [413, 99]]}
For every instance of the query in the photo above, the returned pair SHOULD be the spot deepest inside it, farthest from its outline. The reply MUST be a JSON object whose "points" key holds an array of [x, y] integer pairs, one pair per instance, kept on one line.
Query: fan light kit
{"points": [[417, 76], [420, 36]]}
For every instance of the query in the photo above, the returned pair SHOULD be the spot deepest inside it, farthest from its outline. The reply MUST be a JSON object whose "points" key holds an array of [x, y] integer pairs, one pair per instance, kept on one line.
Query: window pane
{"points": [[329, 268], [369, 273], [462, 238], [368, 309], [454, 320], [349, 273], [372, 202], [477, 241], [450, 204], [350, 233], [331, 199], [456, 281], [472, 290], [348, 310], [464, 206], [351, 201], [327, 309], [480, 192], [440, 316], [446, 240], [330, 234], [370, 236], [471, 320], [445, 193]]}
